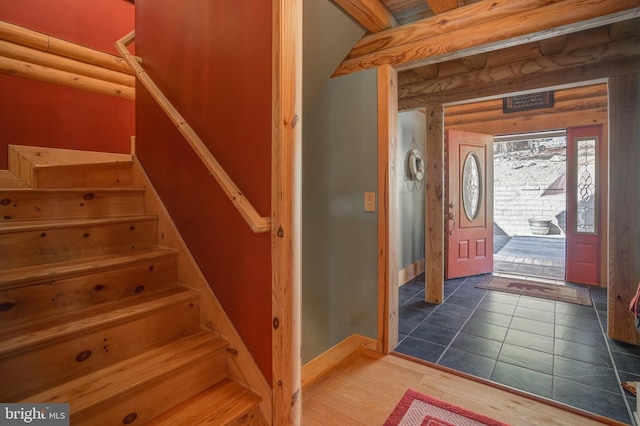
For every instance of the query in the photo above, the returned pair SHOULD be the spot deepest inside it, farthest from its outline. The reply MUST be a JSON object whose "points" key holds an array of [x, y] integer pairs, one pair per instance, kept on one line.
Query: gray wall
{"points": [[412, 126], [339, 163]]}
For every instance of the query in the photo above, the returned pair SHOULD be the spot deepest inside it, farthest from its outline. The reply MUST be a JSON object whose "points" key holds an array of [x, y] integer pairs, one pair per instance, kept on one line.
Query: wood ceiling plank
{"points": [[565, 17], [372, 14], [439, 6]]}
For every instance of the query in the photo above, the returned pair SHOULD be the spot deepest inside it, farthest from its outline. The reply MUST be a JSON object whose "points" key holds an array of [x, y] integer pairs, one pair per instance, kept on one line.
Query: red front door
{"points": [[470, 204], [584, 182]]}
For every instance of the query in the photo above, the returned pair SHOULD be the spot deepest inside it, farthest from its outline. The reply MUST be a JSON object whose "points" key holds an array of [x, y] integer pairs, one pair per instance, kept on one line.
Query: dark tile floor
{"points": [[552, 349]]}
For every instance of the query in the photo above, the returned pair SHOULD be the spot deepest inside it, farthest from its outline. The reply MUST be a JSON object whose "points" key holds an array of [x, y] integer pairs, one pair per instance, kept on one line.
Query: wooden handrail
{"points": [[247, 211]]}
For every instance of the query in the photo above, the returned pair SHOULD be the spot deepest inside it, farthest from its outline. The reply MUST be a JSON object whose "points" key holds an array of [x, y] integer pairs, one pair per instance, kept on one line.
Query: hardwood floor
{"points": [[360, 386]]}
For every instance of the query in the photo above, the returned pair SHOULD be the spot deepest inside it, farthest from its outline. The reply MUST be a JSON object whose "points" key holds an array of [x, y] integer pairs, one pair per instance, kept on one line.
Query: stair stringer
{"points": [[241, 365]]}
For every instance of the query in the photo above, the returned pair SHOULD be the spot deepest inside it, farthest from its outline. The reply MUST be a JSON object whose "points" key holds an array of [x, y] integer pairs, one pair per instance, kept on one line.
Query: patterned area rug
{"points": [[416, 409], [563, 293]]}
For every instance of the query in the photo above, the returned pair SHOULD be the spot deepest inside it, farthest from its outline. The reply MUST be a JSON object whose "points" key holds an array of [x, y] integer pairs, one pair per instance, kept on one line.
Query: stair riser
{"points": [[27, 204], [157, 397], [35, 368], [30, 301], [83, 176], [27, 248]]}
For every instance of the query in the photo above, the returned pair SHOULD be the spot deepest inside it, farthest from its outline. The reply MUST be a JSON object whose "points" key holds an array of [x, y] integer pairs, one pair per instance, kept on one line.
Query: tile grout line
{"points": [[615, 367], [465, 323]]}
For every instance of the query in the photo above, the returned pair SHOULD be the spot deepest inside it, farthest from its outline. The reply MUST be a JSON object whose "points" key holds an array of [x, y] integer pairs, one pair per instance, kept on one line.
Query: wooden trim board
{"points": [[286, 195], [387, 209], [409, 272]]}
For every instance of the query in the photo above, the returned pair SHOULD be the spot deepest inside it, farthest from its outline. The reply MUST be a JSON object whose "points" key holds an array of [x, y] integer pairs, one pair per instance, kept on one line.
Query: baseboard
{"points": [[240, 363], [326, 365], [409, 272]]}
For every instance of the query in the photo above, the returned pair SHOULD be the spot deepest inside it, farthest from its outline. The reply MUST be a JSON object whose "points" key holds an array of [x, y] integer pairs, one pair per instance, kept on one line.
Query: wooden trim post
{"points": [[387, 209], [286, 191], [434, 220], [624, 204]]}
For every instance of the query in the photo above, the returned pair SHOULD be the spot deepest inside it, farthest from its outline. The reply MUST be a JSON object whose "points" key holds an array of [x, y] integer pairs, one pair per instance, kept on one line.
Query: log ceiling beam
{"points": [[596, 91], [475, 62], [371, 14], [439, 6], [460, 32], [553, 46], [624, 29], [565, 68]]}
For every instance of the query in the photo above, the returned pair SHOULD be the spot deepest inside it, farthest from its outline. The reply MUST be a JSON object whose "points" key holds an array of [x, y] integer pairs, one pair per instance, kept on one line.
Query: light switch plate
{"points": [[369, 201]]}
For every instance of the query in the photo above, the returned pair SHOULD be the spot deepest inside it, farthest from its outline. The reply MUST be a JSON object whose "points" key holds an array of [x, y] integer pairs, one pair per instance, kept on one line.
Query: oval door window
{"points": [[471, 186]]}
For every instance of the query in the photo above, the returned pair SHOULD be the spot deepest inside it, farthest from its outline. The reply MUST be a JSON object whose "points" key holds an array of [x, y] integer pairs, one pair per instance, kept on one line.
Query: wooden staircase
{"points": [[91, 312]]}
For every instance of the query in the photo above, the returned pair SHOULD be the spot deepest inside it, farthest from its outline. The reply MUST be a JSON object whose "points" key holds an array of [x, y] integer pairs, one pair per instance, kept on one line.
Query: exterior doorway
{"points": [[530, 205]]}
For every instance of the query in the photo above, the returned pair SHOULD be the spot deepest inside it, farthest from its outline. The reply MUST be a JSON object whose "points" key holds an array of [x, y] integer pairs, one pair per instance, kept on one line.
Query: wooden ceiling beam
{"points": [[495, 113], [624, 29], [498, 86], [371, 14], [475, 62], [522, 70], [517, 28], [553, 46], [564, 95], [536, 122], [446, 22], [439, 6]]}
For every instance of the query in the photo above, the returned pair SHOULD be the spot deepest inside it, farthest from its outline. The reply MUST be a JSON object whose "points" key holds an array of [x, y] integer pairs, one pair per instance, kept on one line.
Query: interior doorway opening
{"points": [[530, 205]]}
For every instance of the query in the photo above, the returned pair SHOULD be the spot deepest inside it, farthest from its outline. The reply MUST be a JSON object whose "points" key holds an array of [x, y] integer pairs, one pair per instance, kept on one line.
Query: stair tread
{"points": [[38, 332], [10, 181], [11, 278], [116, 379], [219, 405], [39, 224], [54, 191], [43, 157]]}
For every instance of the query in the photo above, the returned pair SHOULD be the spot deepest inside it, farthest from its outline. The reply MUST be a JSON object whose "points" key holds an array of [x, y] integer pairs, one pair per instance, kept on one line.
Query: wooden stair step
{"points": [[32, 292], [226, 403], [29, 243], [49, 350], [36, 274], [62, 168], [74, 323], [29, 204], [9, 180], [144, 386]]}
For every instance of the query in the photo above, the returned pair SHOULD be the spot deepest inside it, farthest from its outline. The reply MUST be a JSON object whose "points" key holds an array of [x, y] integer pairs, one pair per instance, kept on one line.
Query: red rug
{"points": [[416, 409]]}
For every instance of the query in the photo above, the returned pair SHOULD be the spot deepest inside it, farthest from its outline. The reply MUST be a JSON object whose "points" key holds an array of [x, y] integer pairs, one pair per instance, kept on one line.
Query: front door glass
{"points": [[586, 186], [471, 186]]}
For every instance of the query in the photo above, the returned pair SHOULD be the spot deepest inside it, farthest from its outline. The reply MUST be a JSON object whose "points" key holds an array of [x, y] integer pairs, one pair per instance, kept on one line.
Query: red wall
{"points": [[45, 114], [213, 60]]}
